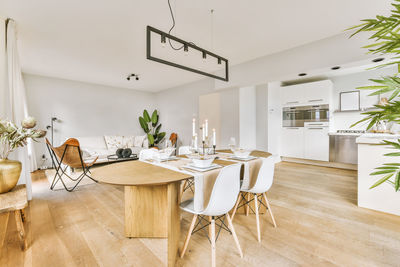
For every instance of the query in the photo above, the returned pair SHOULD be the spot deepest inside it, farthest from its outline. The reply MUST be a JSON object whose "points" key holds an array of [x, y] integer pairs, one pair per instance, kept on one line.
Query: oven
{"points": [[317, 113], [297, 116], [293, 116]]}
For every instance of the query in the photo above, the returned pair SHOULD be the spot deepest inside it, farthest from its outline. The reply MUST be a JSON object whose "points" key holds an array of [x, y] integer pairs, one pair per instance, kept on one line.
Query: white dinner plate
{"points": [[170, 158], [242, 159], [200, 169]]}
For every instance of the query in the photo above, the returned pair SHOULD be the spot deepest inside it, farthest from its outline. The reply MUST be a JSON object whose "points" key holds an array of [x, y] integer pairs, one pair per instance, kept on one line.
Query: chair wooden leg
{"points": [[269, 209], [236, 205], [234, 235], [212, 237], [248, 203], [189, 234], [23, 215], [20, 228], [257, 217], [183, 188]]}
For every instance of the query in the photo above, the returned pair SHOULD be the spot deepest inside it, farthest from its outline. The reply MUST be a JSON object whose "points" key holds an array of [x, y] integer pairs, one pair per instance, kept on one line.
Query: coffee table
{"points": [[114, 158]]}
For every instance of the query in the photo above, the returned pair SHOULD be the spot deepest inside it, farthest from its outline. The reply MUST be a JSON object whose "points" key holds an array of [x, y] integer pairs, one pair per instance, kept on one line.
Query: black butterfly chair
{"points": [[68, 154]]}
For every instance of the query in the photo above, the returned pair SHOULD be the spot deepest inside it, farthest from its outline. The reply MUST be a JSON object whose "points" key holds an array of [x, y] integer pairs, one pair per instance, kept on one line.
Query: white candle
{"points": [[206, 128], [195, 141], [214, 137], [194, 127], [204, 132]]}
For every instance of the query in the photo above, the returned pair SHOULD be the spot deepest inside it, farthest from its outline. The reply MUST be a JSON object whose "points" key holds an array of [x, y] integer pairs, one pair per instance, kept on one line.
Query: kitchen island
{"points": [[370, 155]]}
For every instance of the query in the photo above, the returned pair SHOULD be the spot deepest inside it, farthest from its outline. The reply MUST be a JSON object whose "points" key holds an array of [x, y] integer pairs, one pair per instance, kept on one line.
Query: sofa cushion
{"points": [[128, 141], [92, 142], [139, 140], [114, 141]]}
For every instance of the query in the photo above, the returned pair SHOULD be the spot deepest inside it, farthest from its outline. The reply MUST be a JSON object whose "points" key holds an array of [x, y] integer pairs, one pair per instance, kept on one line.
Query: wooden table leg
{"points": [[146, 209], [174, 224], [20, 229], [156, 208]]}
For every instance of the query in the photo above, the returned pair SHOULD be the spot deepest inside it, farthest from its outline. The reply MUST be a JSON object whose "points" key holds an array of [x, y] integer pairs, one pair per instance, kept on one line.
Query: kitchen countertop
{"points": [[375, 138], [345, 134]]}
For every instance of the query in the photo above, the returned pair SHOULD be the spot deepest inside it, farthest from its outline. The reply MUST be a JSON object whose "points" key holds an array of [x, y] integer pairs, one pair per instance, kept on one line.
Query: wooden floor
{"points": [[315, 208]]}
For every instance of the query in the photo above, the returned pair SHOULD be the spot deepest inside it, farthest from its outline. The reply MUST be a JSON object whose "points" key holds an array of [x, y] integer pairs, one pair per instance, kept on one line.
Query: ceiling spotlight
{"points": [[204, 56], [379, 59], [136, 76], [219, 61], [335, 68], [186, 49], [302, 74]]}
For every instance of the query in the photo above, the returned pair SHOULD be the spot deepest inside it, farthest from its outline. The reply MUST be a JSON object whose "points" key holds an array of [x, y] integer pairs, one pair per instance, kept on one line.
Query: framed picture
{"points": [[350, 101]]}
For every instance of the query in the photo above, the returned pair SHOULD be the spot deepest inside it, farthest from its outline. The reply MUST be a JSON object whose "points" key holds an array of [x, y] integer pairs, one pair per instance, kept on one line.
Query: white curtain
{"points": [[18, 109]]}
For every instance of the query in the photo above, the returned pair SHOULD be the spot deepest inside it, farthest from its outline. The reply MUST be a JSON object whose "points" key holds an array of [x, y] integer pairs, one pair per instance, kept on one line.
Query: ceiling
{"points": [[102, 41]]}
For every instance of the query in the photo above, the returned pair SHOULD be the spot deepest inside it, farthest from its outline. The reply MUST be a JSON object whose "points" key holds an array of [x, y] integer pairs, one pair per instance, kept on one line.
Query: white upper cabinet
{"points": [[315, 93], [318, 92], [293, 95]]}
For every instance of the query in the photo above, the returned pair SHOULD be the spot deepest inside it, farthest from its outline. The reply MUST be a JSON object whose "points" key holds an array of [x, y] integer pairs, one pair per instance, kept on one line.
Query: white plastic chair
{"points": [[263, 184], [188, 183], [223, 196], [184, 150], [146, 154]]}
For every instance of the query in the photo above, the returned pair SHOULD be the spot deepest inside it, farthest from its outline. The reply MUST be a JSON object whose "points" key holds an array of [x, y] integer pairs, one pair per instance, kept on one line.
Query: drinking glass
{"points": [[232, 144]]}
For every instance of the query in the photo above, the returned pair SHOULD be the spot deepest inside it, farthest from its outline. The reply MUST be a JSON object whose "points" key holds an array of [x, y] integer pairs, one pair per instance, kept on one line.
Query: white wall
{"points": [[84, 109], [349, 83], [229, 116], [247, 117], [210, 110]]}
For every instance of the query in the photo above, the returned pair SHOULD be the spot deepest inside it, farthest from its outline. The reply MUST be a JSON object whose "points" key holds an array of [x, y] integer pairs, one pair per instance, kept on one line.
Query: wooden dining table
{"points": [[151, 200]]}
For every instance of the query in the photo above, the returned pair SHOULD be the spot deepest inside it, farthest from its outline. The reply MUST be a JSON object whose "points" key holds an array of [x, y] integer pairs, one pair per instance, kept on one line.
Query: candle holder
{"points": [[214, 146]]}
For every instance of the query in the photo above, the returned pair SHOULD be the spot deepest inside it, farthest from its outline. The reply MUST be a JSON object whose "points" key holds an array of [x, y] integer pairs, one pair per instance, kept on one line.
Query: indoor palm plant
{"points": [[11, 138], [386, 36], [152, 127]]}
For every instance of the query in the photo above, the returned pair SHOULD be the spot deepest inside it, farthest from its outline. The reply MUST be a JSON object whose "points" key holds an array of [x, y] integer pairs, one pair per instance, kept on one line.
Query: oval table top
{"points": [[136, 173]]}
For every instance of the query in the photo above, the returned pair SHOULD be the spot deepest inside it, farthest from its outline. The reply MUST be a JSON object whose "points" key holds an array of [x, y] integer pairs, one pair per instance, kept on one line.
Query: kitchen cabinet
{"points": [[293, 142], [293, 95], [305, 94], [316, 143], [317, 93]]}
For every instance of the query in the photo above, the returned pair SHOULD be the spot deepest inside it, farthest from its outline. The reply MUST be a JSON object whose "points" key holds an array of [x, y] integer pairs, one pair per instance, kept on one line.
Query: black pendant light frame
{"points": [[164, 35]]}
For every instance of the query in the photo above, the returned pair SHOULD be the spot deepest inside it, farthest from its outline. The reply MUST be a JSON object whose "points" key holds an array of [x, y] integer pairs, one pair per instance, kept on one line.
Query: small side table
{"points": [[15, 201]]}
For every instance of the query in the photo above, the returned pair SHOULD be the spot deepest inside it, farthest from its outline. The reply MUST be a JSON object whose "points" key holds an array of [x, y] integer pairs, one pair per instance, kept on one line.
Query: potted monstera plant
{"points": [[152, 127], [11, 138]]}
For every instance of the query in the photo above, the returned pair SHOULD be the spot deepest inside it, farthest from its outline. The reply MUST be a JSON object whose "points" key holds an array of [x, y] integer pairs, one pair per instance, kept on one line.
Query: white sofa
{"points": [[103, 146]]}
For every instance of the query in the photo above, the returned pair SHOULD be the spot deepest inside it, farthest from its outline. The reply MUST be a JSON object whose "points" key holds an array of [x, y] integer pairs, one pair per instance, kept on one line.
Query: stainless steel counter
{"points": [[343, 147]]}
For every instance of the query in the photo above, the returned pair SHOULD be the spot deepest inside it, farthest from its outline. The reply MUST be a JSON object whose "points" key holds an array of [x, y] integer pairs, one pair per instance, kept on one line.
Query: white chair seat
{"points": [[188, 206], [222, 199]]}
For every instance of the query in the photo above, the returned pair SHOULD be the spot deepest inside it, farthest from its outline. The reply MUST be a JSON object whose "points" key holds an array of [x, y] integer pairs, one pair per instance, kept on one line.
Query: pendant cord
{"points": [[172, 27]]}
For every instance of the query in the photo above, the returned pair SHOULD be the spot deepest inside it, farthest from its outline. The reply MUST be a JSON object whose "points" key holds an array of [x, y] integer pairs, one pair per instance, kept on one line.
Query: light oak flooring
{"points": [[315, 208]]}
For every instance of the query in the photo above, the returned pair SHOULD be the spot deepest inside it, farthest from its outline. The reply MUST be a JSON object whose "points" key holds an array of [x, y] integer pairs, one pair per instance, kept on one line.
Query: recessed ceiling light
{"points": [[335, 68], [302, 74], [379, 59]]}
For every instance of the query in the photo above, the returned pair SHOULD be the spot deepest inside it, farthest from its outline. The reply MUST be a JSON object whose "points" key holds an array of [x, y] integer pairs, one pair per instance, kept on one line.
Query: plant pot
{"points": [[10, 171]]}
